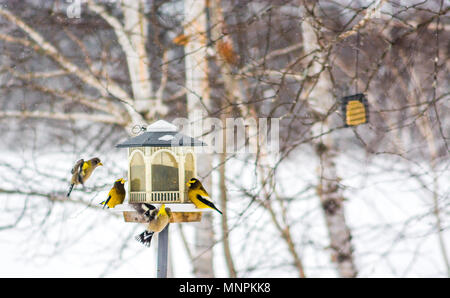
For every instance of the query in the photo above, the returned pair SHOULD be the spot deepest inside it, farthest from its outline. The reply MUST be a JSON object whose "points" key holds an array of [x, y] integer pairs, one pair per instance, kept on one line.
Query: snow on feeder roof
{"points": [[161, 134], [161, 125]]}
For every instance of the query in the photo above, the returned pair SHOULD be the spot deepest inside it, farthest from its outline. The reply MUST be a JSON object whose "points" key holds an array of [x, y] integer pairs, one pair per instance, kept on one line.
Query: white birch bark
{"points": [[331, 196], [38, 42], [132, 36], [216, 18], [198, 99]]}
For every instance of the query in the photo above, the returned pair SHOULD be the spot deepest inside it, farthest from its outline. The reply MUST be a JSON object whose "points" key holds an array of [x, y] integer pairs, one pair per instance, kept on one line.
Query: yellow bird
{"points": [[198, 195], [158, 220], [82, 170], [116, 195]]}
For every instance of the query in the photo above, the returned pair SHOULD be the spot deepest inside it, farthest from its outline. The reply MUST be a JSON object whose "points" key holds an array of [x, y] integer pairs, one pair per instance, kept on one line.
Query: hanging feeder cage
{"points": [[355, 109]]}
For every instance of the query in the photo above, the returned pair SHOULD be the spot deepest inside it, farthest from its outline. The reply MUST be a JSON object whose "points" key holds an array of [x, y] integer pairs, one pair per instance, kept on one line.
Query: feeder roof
{"points": [[161, 125], [161, 134]]}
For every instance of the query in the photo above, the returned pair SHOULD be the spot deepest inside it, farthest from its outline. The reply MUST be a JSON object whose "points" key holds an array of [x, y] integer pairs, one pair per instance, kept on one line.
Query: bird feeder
{"points": [[161, 161]]}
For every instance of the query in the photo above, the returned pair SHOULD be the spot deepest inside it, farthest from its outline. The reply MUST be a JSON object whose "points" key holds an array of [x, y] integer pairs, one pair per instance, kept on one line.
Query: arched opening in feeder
{"points": [[164, 172], [137, 173], [189, 167]]}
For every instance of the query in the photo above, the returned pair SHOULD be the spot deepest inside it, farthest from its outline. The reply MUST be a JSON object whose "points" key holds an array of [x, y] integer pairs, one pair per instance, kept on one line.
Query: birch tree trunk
{"points": [[329, 192], [132, 37], [135, 26], [139, 73], [198, 100], [231, 89]]}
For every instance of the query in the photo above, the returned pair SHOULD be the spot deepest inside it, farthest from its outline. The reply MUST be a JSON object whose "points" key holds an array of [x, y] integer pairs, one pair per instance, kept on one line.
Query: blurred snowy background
{"points": [[366, 201]]}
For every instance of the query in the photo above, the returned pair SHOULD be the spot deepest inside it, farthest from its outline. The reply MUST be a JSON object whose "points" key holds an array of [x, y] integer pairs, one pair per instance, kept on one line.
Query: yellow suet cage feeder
{"points": [[355, 109], [161, 161]]}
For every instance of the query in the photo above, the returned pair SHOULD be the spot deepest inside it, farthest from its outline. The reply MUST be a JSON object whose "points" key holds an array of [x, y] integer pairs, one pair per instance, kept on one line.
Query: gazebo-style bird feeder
{"points": [[161, 161]]}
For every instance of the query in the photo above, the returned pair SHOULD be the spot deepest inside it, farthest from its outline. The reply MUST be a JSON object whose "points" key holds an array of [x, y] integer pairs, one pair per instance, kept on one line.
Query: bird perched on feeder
{"points": [[198, 195], [158, 220], [82, 170], [116, 195]]}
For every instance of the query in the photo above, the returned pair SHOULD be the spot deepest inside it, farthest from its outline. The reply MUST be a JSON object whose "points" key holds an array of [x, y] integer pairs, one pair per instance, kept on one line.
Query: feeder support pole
{"points": [[163, 250]]}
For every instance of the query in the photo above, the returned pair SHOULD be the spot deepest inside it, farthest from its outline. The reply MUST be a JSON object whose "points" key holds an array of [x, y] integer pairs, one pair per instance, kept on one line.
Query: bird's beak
{"points": [[100, 164], [188, 184]]}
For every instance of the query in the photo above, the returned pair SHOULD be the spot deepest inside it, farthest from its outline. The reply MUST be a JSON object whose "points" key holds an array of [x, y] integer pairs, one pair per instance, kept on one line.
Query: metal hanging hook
{"points": [[138, 128]]}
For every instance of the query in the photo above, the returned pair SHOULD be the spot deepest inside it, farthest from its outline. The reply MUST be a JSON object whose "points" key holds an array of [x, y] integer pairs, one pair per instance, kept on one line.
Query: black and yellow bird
{"points": [[157, 221], [198, 195], [116, 195], [82, 170]]}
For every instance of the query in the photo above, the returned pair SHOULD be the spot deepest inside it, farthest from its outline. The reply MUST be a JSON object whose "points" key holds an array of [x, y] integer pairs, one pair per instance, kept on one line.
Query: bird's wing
{"points": [[152, 214], [206, 202], [144, 210], [107, 200], [141, 208], [77, 166], [204, 192], [149, 206], [81, 171]]}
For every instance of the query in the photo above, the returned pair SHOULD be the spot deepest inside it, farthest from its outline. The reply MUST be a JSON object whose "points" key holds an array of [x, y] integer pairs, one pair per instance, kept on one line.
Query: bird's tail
{"points": [[70, 189], [215, 208], [211, 205], [145, 238], [208, 203]]}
